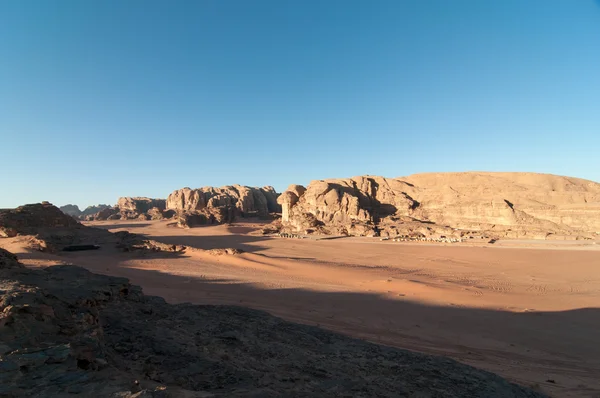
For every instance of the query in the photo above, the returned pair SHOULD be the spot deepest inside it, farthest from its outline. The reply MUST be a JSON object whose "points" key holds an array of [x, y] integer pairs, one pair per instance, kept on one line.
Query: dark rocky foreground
{"points": [[64, 330]]}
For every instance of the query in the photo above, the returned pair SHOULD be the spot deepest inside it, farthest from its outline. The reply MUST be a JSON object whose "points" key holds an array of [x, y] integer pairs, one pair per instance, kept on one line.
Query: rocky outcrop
{"points": [[502, 204], [218, 205], [350, 206], [66, 331], [140, 204], [29, 219], [156, 213], [47, 228], [90, 210], [206, 216], [108, 213], [131, 208]]}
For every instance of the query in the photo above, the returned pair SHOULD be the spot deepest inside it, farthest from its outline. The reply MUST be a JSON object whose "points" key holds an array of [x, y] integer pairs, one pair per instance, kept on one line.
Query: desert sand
{"points": [[525, 310]]}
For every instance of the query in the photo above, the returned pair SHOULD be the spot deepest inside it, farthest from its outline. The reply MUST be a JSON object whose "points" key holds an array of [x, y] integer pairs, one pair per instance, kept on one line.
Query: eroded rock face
{"points": [[345, 206], [157, 214], [67, 331], [206, 216], [108, 213], [131, 208], [504, 204], [522, 201], [90, 210], [222, 204]]}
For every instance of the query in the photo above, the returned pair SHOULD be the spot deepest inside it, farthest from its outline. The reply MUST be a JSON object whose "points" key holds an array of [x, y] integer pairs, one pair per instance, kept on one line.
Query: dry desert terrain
{"points": [[526, 310]]}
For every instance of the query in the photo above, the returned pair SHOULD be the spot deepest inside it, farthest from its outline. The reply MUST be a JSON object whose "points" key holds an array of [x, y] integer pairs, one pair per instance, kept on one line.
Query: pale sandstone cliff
{"points": [[504, 204]]}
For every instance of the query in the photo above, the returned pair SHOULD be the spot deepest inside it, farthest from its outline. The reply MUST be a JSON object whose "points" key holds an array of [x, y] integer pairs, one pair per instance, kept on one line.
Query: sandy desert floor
{"points": [[528, 311]]}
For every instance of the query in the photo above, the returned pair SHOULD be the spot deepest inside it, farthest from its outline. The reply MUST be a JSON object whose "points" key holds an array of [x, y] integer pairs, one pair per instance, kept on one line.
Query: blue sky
{"points": [[101, 99]]}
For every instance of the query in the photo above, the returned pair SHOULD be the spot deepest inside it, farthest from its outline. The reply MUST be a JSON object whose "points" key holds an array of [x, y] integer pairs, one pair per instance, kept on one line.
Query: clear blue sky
{"points": [[100, 99]]}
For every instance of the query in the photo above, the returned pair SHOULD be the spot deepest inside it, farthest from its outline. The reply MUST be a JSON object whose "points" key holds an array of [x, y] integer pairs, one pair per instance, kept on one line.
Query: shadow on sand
{"points": [[555, 352], [241, 242], [120, 225]]}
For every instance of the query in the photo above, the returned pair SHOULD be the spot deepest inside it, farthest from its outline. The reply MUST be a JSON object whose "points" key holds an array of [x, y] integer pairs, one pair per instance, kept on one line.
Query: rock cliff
{"points": [[65, 331], [217, 205], [131, 208], [88, 211], [502, 204]]}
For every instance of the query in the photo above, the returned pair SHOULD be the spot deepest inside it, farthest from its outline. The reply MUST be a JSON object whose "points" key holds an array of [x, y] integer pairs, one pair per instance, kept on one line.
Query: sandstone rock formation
{"points": [[136, 208], [129, 208], [217, 205], [502, 204], [139, 204], [206, 216], [66, 331], [108, 213], [88, 211], [29, 219]]}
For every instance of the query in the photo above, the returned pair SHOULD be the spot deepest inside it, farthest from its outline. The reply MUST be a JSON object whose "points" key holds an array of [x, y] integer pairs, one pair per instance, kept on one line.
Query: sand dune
{"points": [[525, 313]]}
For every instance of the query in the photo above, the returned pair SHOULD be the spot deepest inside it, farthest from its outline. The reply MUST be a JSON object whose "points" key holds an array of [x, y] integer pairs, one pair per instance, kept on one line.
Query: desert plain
{"points": [[526, 310]]}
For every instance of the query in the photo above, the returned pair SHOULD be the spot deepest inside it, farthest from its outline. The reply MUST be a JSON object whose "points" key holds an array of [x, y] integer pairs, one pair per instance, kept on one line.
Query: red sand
{"points": [[530, 315]]}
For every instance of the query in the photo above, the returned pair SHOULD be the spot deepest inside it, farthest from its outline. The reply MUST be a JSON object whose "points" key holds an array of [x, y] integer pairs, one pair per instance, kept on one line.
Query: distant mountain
{"points": [[74, 211], [71, 210]]}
